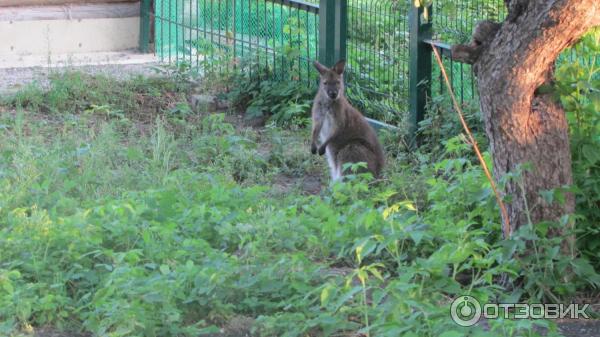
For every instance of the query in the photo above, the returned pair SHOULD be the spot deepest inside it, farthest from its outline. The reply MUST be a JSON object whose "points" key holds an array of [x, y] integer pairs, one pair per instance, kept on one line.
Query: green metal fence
{"points": [[390, 74], [378, 57], [453, 22], [215, 36]]}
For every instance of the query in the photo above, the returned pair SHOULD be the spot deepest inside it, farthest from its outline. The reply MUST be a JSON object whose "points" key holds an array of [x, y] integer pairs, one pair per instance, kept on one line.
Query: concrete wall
{"points": [[8, 3], [52, 33]]}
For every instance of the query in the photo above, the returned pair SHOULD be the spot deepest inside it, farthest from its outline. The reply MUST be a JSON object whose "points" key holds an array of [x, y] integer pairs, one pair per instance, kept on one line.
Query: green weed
{"points": [[123, 218]]}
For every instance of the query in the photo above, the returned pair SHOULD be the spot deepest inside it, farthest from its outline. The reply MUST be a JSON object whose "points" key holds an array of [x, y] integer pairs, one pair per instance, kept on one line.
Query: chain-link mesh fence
{"points": [[453, 22], [378, 55], [217, 35]]}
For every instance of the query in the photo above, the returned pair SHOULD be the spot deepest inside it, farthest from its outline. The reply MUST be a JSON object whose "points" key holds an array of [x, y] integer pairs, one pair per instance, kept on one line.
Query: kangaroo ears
{"points": [[339, 67], [321, 68]]}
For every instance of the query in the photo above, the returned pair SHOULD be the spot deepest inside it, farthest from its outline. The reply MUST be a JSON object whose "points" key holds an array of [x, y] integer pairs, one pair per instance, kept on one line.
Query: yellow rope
{"points": [[506, 227]]}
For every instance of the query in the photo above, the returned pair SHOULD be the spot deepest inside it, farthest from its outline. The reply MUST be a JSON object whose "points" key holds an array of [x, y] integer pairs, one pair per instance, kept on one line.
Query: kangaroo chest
{"points": [[328, 125]]}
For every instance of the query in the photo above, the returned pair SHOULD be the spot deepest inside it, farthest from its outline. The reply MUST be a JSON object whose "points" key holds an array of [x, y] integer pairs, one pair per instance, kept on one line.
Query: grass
{"points": [[105, 150], [127, 214]]}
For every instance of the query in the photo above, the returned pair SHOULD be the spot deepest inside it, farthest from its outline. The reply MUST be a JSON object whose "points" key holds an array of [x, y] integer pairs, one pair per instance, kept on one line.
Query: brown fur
{"points": [[339, 129]]}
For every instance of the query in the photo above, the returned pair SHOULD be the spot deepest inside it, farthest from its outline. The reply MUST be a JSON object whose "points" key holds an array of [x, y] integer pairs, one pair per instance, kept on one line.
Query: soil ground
{"points": [[12, 79]]}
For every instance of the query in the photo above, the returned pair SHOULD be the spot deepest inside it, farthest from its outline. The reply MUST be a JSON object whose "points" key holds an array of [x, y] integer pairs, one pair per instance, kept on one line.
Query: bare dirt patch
{"points": [[308, 184], [580, 328], [51, 332]]}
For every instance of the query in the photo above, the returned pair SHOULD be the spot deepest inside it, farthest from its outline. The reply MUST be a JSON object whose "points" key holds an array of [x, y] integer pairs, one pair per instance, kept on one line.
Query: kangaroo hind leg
{"points": [[356, 153]]}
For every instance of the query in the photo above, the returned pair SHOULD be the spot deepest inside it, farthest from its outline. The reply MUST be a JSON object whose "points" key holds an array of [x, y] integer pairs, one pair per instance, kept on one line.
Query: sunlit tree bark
{"points": [[524, 125]]}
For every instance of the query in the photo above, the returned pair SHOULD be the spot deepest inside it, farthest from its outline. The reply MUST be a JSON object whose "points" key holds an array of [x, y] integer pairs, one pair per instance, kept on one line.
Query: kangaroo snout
{"points": [[332, 94]]}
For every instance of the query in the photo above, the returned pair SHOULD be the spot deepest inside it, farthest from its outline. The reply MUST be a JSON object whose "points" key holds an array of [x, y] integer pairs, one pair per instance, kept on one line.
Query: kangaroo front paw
{"points": [[322, 150], [313, 148]]}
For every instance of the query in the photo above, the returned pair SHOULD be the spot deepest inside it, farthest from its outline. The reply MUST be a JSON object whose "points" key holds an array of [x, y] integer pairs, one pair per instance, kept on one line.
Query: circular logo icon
{"points": [[465, 311]]}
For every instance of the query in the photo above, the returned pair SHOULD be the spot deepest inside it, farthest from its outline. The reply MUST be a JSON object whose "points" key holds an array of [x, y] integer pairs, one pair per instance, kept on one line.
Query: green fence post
{"points": [[420, 68], [333, 31], [144, 26]]}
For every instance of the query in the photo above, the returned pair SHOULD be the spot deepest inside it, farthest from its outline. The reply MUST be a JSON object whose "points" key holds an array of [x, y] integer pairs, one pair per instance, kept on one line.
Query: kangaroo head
{"points": [[332, 80]]}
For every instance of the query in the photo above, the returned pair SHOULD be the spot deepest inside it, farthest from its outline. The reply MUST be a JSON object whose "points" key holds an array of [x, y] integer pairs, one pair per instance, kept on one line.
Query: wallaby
{"points": [[340, 130]]}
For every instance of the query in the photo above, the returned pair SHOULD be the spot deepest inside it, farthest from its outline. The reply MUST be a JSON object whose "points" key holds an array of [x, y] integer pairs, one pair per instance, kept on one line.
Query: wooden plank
{"points": [[10, 3], [71, 12]]}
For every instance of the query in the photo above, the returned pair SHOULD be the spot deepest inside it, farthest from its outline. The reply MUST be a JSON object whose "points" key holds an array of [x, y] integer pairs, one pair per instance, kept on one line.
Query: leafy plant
{"points": [[175, 224], [259, 94], [578, 89]]}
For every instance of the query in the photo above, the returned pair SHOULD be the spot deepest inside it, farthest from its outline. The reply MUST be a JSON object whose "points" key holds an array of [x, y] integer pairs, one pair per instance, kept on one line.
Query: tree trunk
{"points": [[525, 127]]}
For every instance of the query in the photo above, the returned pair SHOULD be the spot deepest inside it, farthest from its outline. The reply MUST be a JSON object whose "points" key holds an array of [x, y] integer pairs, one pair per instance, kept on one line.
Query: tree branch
{"points": [[484, 33]]}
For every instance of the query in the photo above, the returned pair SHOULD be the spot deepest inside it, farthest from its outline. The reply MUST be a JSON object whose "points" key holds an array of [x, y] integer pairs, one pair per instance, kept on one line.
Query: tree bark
{"points": [[525, 127]]}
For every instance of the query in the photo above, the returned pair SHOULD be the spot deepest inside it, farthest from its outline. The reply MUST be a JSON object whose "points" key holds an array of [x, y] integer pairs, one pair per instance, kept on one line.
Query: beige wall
{"points": [[49, 37], [71, 12], [49, 33], [5, 3]]}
